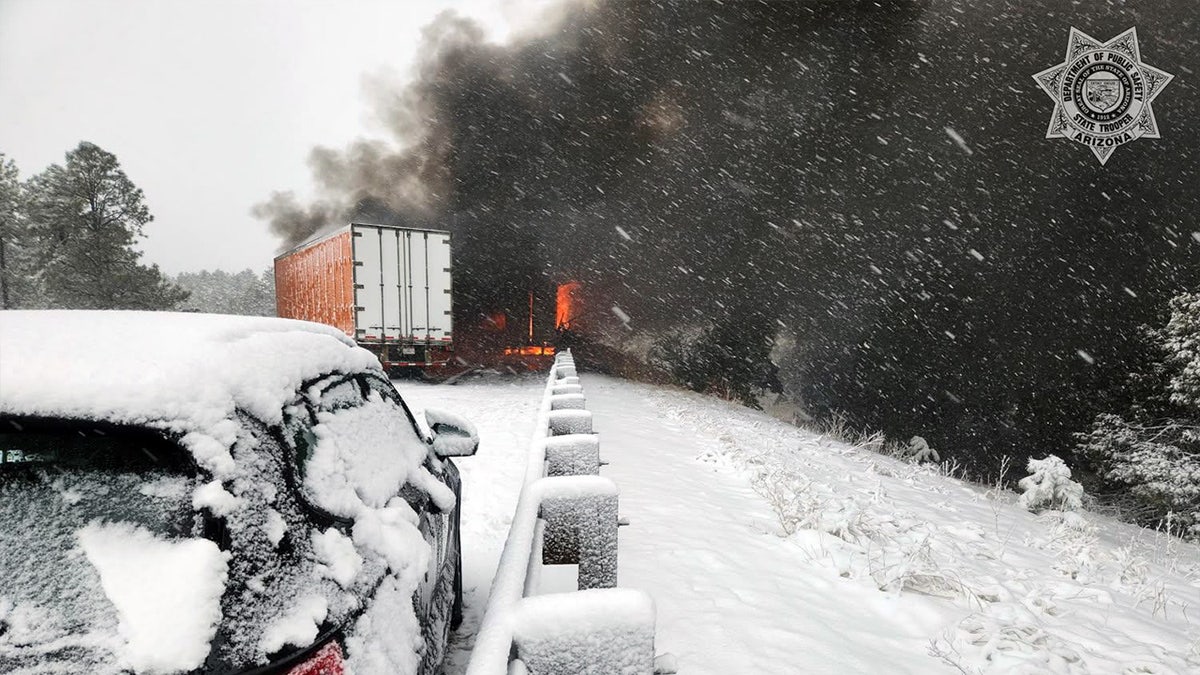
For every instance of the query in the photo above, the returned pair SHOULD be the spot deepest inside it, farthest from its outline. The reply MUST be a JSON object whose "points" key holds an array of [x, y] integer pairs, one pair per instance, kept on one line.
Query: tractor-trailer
{"points": [[386, 287]]}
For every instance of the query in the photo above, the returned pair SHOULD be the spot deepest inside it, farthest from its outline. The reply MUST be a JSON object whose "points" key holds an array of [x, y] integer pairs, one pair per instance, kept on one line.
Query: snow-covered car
{"points": [[213, 494]]}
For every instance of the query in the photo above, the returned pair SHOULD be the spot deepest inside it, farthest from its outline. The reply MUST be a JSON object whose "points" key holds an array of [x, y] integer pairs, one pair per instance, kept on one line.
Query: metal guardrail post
{"points": [[597, 538], [563, 422], [618, 623], [566, 513], [572, 455], [568, 402], [582, 529]]}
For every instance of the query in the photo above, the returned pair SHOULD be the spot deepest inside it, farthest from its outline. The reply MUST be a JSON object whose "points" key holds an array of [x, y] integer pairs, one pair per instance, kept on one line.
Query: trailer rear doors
{"points": [[401, 285]]}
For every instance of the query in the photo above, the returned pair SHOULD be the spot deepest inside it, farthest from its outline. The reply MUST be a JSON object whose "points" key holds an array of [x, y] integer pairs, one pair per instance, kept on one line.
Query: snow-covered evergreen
{"points": [[1181, 342], [1150, 454], [17, 261], [1049, 486], [918, 451]]}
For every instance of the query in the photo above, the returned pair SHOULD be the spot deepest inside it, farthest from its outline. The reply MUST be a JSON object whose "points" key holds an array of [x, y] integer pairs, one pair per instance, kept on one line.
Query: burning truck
{"points": [[389, 288], [527, 333], [386, 287]]}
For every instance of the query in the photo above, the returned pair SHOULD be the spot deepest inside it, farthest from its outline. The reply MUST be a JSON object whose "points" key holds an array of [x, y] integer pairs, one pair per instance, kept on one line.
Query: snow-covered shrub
{"points": [[1049, 486], [719, 358], [791, 498], [1074, 542], [918, 451], [1009, 638], [836, 426], [874, 441]]}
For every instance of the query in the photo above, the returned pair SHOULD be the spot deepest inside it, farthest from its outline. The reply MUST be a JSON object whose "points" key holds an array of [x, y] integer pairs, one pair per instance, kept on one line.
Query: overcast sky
{"points": [[209, 106]]}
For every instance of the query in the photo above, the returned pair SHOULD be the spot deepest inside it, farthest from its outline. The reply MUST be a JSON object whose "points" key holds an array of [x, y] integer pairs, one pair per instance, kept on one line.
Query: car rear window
{"points": [[44, 444], [56, 478]]}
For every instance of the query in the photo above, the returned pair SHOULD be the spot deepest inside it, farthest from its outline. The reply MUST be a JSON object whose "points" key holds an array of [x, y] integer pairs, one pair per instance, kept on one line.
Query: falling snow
{"points": [[958, 140], [620, 314]]}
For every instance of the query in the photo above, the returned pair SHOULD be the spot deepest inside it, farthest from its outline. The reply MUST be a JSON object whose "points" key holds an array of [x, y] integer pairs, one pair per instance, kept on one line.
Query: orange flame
{"points": [[533, 350], [565, 306]]}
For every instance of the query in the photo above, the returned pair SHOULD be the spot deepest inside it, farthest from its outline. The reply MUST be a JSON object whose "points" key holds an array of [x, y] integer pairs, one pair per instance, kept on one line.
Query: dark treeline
{"points": [[867, 179]]}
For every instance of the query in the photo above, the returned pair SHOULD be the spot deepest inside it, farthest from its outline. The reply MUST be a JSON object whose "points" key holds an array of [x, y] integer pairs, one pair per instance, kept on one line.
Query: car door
{"points": [[356, 450], [440, 591], [277, 566], [375, 450], [436, 523]]}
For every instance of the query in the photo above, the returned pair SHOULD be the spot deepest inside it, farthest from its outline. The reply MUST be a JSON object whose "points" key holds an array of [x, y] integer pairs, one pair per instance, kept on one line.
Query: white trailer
{"points": [[387, 287]]}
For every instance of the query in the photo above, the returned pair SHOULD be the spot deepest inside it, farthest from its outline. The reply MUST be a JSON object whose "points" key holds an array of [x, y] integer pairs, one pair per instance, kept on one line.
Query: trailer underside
{"points": [[395, 356]]}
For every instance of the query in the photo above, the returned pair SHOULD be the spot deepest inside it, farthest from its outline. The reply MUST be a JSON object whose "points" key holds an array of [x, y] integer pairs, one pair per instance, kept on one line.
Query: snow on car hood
{"points": [[180, 371]]}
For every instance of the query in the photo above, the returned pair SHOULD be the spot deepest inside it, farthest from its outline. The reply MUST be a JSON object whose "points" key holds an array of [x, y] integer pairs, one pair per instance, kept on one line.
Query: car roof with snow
{"points": [[181, 371], [126, 559]]}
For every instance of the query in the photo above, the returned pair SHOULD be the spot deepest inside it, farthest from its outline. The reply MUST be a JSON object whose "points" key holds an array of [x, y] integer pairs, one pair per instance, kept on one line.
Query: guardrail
{"points": [[566, 514]]}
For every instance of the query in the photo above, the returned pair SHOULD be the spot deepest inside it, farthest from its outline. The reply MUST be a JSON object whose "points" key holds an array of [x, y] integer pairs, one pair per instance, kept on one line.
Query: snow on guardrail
{"points": [[566, 514]]}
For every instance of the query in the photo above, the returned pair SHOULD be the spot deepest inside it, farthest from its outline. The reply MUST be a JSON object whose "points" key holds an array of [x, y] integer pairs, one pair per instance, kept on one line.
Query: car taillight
{"points": [[327, 660]]}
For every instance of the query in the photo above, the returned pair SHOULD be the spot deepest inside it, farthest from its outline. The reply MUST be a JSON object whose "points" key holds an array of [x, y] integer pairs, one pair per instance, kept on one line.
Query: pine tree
{"points": [[1152, 450], [18, 281], [1181, 342], [86, 216]]}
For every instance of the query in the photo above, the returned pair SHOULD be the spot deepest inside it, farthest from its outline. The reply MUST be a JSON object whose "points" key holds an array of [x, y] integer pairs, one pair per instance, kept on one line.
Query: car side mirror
{"points": [[453, 436]]}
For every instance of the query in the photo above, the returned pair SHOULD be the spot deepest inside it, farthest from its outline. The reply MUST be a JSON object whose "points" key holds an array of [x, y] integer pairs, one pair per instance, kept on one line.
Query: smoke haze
{"points": [[871, 177]]}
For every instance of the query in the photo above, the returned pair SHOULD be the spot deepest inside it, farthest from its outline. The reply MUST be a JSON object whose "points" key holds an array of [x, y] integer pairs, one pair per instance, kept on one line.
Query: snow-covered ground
{"points": [[770, 549]]}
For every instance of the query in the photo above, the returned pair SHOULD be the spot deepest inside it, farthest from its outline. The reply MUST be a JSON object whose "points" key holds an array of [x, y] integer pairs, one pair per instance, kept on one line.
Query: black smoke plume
{"points": [[871, 176]]}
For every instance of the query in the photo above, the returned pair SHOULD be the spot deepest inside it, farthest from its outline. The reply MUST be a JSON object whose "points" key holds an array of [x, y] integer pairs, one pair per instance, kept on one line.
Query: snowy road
{"points": [[769, 549]]}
